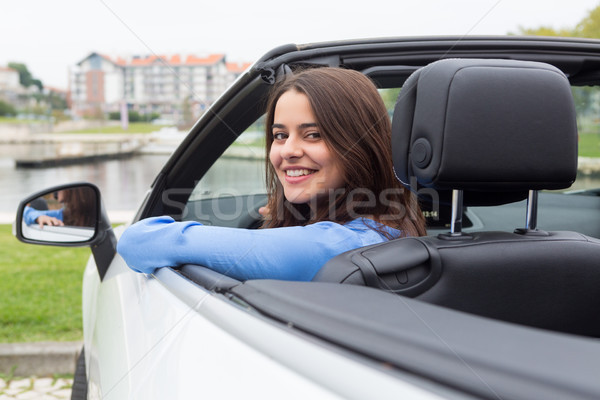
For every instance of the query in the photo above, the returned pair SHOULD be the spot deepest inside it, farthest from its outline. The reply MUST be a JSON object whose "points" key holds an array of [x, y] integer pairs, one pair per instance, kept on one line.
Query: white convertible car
{"points": [[499, 301]]}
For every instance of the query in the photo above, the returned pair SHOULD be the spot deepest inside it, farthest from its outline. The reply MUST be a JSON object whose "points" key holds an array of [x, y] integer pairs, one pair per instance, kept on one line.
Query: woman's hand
{"points": [[46, 220]]}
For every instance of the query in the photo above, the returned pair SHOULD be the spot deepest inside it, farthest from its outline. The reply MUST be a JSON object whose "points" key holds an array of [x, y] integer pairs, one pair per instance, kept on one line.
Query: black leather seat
{"points": [[486, 132]]}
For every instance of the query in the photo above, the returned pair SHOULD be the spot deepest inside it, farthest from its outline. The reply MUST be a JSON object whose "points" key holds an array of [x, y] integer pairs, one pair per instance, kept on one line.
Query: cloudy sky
{"points": [[49, 36]]}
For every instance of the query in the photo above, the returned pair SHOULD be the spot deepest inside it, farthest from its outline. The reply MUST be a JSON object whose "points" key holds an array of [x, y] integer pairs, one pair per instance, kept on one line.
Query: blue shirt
{"points": [[30, 214], [289, 253]]}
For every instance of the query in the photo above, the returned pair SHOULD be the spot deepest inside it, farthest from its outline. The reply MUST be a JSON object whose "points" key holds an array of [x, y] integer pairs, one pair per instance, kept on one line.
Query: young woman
{"points": [[331, 188]]}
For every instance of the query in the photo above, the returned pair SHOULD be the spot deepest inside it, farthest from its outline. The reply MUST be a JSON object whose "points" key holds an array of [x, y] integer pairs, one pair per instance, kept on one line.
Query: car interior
{"points": [[518, 146]]}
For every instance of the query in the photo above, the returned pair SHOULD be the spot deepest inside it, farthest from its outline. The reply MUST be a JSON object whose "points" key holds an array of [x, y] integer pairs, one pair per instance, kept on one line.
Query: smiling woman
{"points": [[328, 135], [303, 163]]}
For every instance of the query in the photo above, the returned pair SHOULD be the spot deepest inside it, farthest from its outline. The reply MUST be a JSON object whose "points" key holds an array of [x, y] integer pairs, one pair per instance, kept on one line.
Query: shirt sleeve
{"points": [[30, 214], [290, 253]]}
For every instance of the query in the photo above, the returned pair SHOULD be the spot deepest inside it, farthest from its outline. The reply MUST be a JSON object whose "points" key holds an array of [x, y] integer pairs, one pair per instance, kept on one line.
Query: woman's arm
{"points": [[291, 253], [43, 217]]}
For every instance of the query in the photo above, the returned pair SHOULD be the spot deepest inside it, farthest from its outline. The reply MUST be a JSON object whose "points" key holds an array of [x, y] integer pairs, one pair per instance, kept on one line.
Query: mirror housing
{"points": [[68, 215]]}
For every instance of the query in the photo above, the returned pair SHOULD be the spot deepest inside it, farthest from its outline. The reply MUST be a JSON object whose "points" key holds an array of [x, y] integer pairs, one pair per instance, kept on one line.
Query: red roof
{"points": [[55, 89], [147, 61], [173, 60], [209, 60], [237, 67]]}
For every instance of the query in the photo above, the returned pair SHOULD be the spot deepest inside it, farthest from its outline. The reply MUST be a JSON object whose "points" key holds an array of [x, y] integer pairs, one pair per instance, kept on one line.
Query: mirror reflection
{"points": [[67, 215]]}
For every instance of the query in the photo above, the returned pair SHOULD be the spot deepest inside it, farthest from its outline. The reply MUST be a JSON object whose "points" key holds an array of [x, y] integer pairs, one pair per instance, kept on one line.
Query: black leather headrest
{"points": [[493, 128]]}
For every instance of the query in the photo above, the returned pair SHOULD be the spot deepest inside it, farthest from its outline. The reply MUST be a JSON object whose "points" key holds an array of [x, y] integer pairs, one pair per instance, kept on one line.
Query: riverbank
{"points": [[57, 149], [62, 149]]}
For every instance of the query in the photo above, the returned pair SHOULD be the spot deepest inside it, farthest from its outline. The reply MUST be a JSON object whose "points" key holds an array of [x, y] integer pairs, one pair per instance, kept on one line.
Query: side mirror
{"points": [[60, 216], [68, 215]]}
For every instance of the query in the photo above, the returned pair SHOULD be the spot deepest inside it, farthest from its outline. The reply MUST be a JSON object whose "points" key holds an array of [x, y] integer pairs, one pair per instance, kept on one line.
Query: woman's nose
{"points": [[292, 148]]}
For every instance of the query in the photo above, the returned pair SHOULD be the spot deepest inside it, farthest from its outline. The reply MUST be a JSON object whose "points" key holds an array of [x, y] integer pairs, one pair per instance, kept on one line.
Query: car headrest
{"points": [[492, 128]]}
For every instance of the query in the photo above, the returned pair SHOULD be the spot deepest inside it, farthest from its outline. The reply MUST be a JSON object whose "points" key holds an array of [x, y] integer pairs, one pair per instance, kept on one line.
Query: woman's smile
{"points": [[296, 176], [298, 172]]}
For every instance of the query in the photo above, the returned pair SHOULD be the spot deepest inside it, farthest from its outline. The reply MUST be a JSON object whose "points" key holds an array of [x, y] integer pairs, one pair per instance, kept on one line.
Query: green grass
{"points": [[589, 139], [589, 144], [40, 291], [14, 120], [134, 127]]}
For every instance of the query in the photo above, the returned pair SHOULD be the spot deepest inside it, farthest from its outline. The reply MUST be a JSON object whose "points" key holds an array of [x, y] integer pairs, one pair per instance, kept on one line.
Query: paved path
{"points": [[35, 388]]}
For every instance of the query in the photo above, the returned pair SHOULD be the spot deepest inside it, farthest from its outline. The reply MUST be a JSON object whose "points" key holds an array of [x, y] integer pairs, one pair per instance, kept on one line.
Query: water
{"points": [[123, 183]]}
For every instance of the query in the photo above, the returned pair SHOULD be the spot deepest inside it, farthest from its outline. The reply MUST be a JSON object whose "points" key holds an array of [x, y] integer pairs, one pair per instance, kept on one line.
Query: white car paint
{"points": [[159, 337]]}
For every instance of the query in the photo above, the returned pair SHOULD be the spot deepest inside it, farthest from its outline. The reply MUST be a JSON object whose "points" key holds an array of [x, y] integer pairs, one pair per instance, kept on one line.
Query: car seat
{"points": [[486, 132]]}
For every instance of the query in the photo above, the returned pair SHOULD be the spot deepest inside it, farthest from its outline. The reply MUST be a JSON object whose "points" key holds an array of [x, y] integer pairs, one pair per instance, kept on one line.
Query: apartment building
{"points": [[150, 83]]}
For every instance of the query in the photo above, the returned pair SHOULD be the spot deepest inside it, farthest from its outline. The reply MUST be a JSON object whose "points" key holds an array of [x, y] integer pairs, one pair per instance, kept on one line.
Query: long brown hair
{"points": [[80, 207], [356, 127]]}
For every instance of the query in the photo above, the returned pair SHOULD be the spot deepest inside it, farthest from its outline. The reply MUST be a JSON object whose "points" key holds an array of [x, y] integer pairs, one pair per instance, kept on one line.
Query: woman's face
{"points": [[303, 163], [60, 196]]}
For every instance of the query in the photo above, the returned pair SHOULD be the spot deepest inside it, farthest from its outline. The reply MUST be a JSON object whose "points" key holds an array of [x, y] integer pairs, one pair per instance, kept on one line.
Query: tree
{"points": [[25, 77], [589, 27], [56, 101], [7, 109], [545, 31]]}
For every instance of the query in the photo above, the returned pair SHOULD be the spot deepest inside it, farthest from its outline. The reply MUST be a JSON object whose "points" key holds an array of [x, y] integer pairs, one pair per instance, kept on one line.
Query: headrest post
{"points": [[457, 213], [532, 201]]}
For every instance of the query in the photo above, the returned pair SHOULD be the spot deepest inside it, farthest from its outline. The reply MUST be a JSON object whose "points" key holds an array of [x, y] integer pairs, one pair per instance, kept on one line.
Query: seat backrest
{"points": [[494, 130]]}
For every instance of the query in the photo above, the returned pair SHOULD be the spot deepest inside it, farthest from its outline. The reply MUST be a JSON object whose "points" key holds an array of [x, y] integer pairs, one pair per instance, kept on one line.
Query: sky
{"points": [[51, 36]]}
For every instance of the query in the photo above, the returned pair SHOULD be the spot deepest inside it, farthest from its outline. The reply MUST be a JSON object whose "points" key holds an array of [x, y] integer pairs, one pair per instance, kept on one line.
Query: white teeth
{"points": [[297, 172]]}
